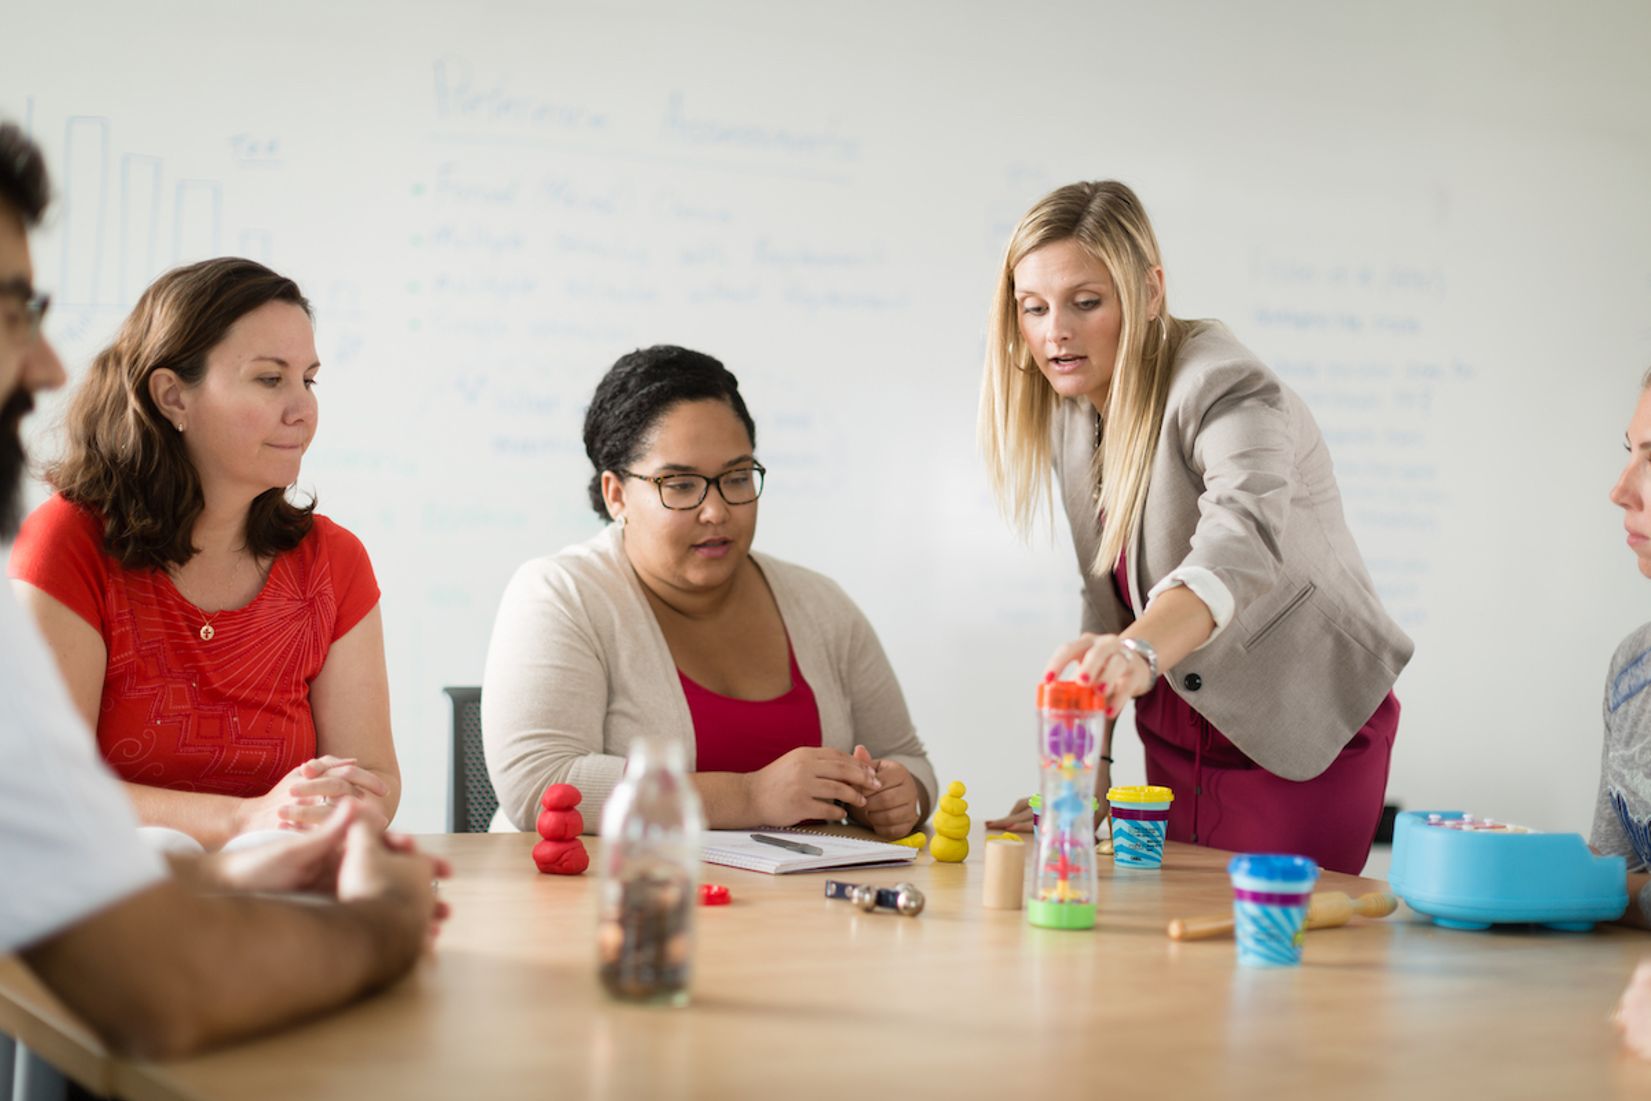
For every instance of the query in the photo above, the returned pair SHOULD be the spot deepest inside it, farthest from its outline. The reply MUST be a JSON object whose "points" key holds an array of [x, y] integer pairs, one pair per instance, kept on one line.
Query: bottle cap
{"points": [[1066, 695]]}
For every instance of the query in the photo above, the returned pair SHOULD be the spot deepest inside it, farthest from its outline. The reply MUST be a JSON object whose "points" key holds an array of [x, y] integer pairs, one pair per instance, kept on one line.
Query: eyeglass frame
{"points": [[659, 481], [35, 305]]}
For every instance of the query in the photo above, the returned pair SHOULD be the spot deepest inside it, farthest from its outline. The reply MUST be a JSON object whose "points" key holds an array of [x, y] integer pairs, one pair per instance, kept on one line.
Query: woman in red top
{"points": [[225, 643]]}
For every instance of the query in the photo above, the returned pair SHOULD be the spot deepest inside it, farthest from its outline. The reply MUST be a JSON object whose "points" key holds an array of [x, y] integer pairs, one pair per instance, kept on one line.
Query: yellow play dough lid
{"points": [[1139, 794]]}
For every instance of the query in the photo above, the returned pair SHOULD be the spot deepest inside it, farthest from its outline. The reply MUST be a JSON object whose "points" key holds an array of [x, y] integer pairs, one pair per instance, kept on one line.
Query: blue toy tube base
{"points": [[1481, 926]]}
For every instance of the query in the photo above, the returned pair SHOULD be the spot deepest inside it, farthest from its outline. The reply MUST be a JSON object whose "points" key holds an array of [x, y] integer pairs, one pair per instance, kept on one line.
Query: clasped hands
{"points": [[808, 784], [347, 857], [304, 797]]}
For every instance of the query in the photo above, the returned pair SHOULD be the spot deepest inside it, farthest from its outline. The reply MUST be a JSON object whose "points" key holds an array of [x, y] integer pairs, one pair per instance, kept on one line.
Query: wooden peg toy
{"points": [[1325, 910]]}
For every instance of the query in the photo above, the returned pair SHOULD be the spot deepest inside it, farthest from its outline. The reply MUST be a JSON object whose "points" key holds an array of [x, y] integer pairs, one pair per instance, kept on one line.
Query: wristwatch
{"points": [[1145, 651]]}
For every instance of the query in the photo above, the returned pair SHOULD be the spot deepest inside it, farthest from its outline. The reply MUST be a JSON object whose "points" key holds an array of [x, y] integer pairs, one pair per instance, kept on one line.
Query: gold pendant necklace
{"points": [[207, 631]]}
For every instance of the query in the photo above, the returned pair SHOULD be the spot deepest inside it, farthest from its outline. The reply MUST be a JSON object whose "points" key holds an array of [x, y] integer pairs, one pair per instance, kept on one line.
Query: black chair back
{"points": [[471, 800]]}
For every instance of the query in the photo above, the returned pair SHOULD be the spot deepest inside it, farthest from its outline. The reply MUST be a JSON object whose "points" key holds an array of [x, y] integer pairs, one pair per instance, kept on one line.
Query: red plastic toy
{"points": [[560, 824], [714, 894]]}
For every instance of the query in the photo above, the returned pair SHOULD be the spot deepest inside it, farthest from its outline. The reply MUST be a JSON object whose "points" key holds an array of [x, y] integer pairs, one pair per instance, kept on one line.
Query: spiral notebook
{"points": [[736, 849]]}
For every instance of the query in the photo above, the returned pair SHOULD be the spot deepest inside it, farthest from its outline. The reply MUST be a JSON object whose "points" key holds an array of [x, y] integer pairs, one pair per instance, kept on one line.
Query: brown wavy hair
{"points": [[123, 459]]}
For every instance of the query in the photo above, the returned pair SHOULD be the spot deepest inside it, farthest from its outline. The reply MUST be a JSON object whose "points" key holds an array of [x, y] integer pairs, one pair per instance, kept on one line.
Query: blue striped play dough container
{"points": [[1140, 815], [1270, 896]]}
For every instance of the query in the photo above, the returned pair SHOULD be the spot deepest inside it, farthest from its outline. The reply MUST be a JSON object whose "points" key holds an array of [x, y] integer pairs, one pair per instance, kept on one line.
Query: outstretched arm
{"points": [[169, 971]]}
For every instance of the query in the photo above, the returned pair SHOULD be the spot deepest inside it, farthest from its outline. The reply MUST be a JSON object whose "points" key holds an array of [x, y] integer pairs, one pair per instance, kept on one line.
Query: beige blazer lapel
{"points": [[1138, 585], [1074, 449]]}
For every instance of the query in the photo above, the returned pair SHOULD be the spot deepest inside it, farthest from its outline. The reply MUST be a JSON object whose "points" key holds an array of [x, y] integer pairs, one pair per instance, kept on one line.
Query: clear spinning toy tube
{"points": [[1071, 720]]}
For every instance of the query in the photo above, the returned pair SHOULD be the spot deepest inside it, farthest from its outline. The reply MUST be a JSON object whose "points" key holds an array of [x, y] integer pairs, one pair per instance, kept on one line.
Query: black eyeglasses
{"points": [[680, 492], [25, 327]]}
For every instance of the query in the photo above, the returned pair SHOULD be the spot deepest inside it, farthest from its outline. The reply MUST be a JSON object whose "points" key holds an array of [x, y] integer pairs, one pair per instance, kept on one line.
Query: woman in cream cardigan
{"points": [[1223, 592], [667, 621]]}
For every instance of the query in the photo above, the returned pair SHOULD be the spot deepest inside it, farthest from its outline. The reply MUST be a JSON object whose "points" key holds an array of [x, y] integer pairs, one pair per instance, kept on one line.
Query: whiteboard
{"points": [[1431, 219]]}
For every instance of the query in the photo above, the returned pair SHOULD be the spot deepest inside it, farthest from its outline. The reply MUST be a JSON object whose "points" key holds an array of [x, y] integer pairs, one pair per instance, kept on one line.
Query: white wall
{"points": [[1429, 217]]}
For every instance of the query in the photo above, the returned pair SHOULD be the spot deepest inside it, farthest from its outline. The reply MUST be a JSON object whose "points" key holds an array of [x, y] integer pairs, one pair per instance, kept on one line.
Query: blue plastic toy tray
{"points": [[1471, 874]]}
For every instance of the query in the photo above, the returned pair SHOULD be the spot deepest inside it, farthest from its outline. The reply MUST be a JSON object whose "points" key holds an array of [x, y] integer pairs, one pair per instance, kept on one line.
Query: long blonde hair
{"points": [[1017, 404]]}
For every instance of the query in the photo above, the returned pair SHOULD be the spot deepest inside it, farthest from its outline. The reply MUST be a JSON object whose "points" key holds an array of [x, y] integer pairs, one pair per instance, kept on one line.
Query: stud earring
{"points": [[180, 426]]}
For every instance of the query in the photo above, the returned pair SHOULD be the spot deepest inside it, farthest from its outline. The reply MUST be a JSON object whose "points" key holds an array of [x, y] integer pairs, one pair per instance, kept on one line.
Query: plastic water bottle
{"points": [[1071, 719], [650, 877]]}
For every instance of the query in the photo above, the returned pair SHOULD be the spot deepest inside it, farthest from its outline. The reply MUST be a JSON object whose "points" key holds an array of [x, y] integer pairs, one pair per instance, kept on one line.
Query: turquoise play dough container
{"points": [[1140, 817], [1270, 897]]}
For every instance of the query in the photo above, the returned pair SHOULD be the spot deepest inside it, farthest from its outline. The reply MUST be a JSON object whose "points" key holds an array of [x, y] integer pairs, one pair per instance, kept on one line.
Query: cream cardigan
{"points": [[578, 670]]}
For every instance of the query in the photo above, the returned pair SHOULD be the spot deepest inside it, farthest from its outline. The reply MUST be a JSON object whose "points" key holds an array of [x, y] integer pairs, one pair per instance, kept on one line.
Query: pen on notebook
{"points": [[794, 846]]}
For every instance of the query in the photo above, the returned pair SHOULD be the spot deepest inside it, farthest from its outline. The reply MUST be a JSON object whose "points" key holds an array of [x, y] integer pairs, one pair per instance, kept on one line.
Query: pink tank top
{"points": [[745, 735]]}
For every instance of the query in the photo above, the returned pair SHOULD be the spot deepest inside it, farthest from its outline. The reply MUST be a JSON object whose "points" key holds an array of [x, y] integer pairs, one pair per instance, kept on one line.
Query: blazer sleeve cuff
{"points": [[1206, 587]]}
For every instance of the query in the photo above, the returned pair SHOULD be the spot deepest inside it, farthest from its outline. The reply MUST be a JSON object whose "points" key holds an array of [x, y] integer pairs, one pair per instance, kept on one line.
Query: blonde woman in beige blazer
{"points": [[1223, 592]]}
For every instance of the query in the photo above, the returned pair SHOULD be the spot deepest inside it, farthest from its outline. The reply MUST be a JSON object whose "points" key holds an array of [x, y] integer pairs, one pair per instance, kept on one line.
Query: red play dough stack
{"points": [[560, 824]]}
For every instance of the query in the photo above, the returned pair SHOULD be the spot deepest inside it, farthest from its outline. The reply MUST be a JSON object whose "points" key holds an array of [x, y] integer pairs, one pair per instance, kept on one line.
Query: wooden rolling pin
{"points": [[1324, 911]]}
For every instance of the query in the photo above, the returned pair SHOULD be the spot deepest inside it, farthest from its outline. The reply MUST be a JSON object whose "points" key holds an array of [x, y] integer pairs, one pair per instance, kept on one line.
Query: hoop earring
{"points": [[1163, 336], [619, 521]]}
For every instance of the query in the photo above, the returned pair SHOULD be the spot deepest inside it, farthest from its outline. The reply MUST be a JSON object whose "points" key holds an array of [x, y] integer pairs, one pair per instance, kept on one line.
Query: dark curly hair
{"points": [[640, 388], [24, 192], [23, 183]]}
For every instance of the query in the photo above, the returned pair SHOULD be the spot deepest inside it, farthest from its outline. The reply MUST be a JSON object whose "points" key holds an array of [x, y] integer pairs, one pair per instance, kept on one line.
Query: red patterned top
{"points": [[733, 735], [230, 716]]}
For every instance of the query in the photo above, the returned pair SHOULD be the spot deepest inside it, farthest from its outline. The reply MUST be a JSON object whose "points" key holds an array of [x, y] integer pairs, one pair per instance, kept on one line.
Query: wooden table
{"points": [[795, 996]]}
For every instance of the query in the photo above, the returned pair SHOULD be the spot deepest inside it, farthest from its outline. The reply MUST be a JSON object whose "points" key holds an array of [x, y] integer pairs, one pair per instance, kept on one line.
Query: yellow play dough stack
{"points": [[951, 826]]}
